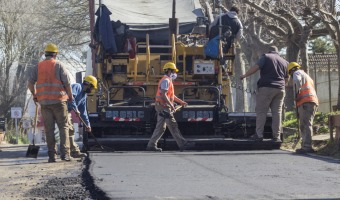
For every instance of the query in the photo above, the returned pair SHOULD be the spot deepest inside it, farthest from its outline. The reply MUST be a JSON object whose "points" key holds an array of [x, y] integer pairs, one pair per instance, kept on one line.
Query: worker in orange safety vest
{"points": [[307, 103], [49, 84], [165, 108]]}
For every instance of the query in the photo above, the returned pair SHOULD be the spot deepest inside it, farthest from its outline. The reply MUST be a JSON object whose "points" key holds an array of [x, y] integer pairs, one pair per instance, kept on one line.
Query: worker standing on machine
{"points": [[165, 108], [79, 92], [307, 103], [270, 92], [230, 18]]}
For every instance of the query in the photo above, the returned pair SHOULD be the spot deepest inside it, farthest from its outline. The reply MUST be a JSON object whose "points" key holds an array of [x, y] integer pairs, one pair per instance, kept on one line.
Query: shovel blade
{"points": [[32, 151]]}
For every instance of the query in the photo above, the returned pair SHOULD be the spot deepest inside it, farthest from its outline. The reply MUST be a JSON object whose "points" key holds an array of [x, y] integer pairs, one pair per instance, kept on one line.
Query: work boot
{"points": [[277, 140], [304, 151], [66, 158], [256, 138], [52, 155], [78, 154], [151, 148], [52, 160], [187, 146]]}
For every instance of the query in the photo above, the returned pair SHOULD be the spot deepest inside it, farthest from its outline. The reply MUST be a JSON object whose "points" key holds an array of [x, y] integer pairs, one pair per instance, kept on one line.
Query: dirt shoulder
{"points": [[321, 143], [30, 178]]}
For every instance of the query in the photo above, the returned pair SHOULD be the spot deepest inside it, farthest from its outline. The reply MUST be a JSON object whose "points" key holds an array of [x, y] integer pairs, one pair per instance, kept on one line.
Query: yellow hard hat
{"points": [[170, 65], [92, 80], [292, 65], [51, 48]]}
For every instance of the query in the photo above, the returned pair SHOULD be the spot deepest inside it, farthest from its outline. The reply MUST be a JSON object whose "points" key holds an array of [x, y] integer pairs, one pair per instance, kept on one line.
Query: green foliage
{"points": [[290, 120], [321, 118], [320, 121], [322, 45], [11, 138]]}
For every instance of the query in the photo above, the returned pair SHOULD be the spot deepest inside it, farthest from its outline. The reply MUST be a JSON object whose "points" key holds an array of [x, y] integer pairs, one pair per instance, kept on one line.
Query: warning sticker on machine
{"points": [[119, 115], [195, 115]]}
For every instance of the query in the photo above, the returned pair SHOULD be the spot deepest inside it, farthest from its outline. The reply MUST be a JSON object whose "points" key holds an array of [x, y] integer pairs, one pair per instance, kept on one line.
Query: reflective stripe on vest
{"points": [[170, 93], [307, 93], [48, 86]]}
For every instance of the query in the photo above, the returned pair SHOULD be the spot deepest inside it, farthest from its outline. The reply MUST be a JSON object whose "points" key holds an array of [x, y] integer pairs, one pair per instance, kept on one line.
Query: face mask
{"points": [[173, 76], [88, 90]]}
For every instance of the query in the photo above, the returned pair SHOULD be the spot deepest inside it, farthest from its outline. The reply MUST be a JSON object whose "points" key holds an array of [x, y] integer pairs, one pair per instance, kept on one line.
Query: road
{"points": [[174, 175]]}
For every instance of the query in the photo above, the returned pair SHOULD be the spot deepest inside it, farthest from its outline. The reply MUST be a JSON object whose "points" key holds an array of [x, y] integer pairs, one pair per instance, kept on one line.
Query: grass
{"points": [[320, 122], [325, 147]]}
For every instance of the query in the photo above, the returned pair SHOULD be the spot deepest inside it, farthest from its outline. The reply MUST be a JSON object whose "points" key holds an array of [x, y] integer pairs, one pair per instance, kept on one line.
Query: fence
{"points": [[324, 72]]}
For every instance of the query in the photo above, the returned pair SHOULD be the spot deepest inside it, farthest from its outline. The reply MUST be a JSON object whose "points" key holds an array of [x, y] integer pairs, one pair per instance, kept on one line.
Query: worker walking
{"points": [[307, 103], [49, 84], [165, 108], [79, 92], [270, 91]]}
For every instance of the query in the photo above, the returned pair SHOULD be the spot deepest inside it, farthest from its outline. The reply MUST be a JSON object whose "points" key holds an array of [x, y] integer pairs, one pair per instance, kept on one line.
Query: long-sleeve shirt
{"points": [[79, 102], [235, 25]]}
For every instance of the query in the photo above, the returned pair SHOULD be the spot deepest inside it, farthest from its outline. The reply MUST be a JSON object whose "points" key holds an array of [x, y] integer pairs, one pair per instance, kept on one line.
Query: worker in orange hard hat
{"points": [[49, 84], [306, 102], [165, 108]]}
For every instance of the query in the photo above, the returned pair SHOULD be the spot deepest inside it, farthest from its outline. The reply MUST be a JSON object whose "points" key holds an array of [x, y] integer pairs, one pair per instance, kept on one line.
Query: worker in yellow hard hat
{"points": [[306, 102], [78, 105], [50, 85], [165, 108]]}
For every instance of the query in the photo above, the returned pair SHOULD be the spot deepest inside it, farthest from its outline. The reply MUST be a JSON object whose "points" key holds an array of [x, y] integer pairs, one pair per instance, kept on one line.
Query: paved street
{"points": [[215, 175]]}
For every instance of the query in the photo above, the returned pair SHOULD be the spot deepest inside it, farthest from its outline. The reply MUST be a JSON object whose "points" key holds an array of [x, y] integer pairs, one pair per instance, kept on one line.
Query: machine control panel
{"points": [[204, 67]]}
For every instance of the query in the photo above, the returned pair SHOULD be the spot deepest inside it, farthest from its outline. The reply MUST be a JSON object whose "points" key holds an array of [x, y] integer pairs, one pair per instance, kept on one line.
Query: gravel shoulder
{"points": [[29, 178]]}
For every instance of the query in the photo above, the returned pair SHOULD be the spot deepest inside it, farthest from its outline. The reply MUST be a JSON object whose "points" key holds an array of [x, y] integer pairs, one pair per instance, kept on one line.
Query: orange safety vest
{"points": [[307, 93], [48, 86], [170, 93]]}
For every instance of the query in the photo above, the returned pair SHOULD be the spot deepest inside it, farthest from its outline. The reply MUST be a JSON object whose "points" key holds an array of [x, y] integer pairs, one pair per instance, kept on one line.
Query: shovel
{"points": [[32, 151], [166, 114], [95, 139]]}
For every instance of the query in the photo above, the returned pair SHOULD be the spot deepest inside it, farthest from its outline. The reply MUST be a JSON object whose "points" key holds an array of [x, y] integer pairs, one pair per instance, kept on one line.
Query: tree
{"points": [[290, 23], [14, 54], [25, 28], [330, 17], [322, 45]]}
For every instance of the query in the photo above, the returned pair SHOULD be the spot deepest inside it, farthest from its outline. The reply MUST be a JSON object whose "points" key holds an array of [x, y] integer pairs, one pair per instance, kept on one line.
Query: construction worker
{"points": [[307, 103], [230, 18], [79, 92], [165, 108], [270, 92], [49, 84]]}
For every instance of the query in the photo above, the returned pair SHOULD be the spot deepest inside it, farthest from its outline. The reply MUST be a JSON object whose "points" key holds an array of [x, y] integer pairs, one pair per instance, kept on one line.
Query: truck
{"points": [[122, 111]]}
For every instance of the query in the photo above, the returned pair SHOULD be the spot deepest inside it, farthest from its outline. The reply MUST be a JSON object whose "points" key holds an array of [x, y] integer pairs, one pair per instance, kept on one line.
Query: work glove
{"points": [[35, 99], [88, 129]]}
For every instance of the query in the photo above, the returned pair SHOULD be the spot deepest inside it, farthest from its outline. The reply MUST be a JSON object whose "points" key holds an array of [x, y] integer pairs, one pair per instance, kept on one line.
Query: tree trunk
{"points": [[337, 47], [291, 56], [303, 48], [241, 105]]}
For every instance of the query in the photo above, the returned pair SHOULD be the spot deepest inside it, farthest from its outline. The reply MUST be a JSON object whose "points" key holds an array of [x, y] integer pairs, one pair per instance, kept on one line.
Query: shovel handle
{"points": [[81, 119], [177, 108]]}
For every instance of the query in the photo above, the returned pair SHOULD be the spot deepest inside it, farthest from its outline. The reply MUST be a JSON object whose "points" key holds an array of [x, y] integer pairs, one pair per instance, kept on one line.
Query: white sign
{"points": [[16, 112], [26, 123]]}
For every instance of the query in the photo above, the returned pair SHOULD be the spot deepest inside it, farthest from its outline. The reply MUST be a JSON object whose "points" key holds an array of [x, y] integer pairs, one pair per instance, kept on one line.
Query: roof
{"points": [[321, 61], [152, 17], [141, 12]]}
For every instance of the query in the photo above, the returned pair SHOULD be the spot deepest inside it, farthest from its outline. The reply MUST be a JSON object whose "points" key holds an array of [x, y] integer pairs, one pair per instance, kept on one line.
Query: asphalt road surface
{"points": [[215, 175]]}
